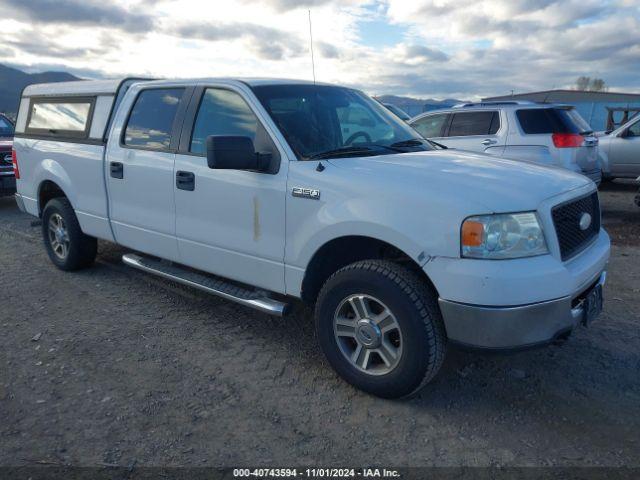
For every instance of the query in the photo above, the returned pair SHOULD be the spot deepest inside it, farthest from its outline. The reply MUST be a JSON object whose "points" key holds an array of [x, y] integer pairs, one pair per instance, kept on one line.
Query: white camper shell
{"points": [[83, 109], [74, 119]]}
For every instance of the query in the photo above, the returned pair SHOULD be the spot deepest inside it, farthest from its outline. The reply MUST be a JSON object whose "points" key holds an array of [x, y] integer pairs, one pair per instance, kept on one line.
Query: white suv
{"points": [[541, 133]]}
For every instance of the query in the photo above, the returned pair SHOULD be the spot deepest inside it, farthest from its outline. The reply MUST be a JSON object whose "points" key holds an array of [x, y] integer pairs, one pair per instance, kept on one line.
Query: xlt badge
{"points": [[306, 193]]}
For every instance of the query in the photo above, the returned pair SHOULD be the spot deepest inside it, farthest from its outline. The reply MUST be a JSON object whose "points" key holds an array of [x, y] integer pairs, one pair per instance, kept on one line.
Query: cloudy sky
{"points": [[439, 48]]}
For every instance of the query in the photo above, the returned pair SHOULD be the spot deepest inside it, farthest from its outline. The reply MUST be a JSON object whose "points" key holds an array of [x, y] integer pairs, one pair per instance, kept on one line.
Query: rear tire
{"points": [[380, 328], [68, 248]]}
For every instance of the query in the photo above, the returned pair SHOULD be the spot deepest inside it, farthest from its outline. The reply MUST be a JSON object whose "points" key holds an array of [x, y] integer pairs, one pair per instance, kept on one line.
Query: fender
{"points": [[371, 230], [51, 170]]}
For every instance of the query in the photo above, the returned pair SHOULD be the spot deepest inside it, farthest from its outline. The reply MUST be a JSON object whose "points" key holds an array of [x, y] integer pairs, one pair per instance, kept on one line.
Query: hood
{"points": [[500, 185]]}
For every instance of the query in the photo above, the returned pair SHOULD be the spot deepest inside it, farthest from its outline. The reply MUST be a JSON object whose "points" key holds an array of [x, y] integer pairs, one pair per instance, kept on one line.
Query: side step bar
{"points": [[257, 299]]}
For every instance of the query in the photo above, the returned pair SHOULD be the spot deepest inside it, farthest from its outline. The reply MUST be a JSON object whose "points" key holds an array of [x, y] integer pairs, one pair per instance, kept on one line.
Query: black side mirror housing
{"points": [[228, 152]]}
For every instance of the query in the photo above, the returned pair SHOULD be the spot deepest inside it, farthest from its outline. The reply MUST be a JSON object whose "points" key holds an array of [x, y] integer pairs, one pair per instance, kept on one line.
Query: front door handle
{"points": [[185, 181], [488, 142], [117, 170]]}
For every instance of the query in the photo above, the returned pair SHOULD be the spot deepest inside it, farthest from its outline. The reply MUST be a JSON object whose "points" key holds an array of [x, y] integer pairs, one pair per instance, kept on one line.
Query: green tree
{"points": [[582, 83], [598, 85]]}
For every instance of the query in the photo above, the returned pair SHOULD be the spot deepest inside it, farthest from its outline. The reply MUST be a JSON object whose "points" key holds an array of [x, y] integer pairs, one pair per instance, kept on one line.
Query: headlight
{"points": [[511, 235]]}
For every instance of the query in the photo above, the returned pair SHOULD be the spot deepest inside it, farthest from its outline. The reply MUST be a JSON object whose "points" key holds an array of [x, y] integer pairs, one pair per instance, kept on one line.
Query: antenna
{"points": [[313, 64]]}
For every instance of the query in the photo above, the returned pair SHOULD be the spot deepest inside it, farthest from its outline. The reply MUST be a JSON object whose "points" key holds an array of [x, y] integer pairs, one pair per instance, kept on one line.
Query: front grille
{"points": [[573, 237], [5, 159]]}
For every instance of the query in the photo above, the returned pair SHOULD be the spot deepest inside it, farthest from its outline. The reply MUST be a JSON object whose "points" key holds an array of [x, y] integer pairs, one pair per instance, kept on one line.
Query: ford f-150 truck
{"points": [[262, 192]]}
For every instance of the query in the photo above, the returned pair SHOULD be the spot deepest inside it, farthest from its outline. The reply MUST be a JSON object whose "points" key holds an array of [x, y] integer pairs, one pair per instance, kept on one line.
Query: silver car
{"points": [[620, 151], [542, 133]]}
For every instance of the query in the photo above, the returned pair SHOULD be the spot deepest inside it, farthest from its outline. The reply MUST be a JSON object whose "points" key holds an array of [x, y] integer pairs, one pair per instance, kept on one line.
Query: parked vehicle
{"points": [[251, 190], [7, 177], [620, 151], [401, 114], [554, 135]]}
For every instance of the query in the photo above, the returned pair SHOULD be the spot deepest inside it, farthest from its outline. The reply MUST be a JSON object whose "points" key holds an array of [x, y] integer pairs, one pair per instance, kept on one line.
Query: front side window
{"points": [[320, 120], [151, 119], [634, 130], [57, 116], [465, 124], [222, 112], [431, 126]]}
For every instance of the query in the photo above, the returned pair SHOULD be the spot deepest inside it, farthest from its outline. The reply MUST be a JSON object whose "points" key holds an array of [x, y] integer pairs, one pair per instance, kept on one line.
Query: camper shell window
{"points": [[60, 117]]}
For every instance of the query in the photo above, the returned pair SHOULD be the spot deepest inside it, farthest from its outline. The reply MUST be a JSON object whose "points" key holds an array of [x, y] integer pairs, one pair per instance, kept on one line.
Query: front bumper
{"points": [[595, 175], [7, 184], [514, 327]]}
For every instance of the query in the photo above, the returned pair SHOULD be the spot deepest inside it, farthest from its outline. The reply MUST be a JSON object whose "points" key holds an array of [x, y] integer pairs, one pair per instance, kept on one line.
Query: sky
{"points": [[440, 49]]}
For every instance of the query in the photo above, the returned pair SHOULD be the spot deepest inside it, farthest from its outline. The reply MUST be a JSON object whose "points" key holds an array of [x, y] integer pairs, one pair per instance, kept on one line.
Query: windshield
{"points": [[6, 127], [325, 121], [401, 114]]}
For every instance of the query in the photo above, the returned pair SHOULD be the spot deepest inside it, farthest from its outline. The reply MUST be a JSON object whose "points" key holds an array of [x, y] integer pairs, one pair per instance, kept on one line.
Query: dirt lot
{"points": [[112, 366]]}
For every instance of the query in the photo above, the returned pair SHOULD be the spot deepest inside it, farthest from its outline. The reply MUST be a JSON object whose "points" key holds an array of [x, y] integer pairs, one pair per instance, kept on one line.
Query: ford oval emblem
{"points": [[585, 221]]}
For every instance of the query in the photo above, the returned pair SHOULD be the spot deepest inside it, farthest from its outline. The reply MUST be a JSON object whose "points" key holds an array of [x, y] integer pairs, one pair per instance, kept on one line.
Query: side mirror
{"points": [[235, 153]]}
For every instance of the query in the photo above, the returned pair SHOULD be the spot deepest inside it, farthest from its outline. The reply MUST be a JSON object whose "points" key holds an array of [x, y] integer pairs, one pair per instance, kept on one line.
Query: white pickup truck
{"points": [[253, 190]]}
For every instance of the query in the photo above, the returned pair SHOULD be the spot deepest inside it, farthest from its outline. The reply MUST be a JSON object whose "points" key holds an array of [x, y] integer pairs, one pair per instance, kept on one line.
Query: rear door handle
{"points": [[185, 181], [488, 141], [116, 169]]}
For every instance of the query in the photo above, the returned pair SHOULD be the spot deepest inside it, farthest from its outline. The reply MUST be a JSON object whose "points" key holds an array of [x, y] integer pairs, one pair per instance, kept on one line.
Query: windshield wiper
{"points": [[341, 152], [439, 145], [368, 149], [412, 142]]}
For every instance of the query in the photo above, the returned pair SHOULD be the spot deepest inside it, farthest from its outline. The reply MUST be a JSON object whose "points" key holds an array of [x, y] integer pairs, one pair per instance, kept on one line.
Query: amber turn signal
{"points": [[472, 233]]}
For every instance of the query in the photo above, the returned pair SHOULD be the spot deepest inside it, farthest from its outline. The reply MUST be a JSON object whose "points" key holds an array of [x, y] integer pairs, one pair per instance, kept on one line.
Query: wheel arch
{"points": [[345, 250], [47, 190]]}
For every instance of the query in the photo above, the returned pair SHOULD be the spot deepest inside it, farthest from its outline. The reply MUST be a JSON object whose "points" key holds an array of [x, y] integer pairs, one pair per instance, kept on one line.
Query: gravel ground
{"points": [[112, 366]]}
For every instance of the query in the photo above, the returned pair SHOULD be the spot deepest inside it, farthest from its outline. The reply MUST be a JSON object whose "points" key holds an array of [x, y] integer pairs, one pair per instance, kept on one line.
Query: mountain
{"points": [[415, 106], [12, 81]]}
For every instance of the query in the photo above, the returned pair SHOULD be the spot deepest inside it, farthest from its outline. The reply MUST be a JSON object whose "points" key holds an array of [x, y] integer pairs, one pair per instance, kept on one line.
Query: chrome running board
{"points": [[256, 299]]}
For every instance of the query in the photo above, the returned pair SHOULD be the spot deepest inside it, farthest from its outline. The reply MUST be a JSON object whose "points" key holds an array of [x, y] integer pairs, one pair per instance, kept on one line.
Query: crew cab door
{"points": [[139, 169], [230, 222], [624, 152]]}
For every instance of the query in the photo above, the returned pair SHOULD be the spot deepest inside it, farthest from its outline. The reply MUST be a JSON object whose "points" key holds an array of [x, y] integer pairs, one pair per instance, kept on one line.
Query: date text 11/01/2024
{"points": [[316, 472]]}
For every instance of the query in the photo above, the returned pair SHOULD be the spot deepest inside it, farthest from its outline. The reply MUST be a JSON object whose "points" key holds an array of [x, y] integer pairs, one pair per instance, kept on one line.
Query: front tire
{"points": [[380, 328], [68, 248]]}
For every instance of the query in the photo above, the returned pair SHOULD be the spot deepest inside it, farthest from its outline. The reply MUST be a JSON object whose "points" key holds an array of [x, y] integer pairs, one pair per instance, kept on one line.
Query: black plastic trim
{"points": [[83, 141]]}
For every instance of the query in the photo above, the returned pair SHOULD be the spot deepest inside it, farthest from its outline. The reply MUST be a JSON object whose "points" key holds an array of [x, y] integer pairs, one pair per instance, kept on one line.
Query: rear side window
{"points": [[60, 117], [431, 126], [551, 120], [474, 123], [151, 120], [222, 112]]}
